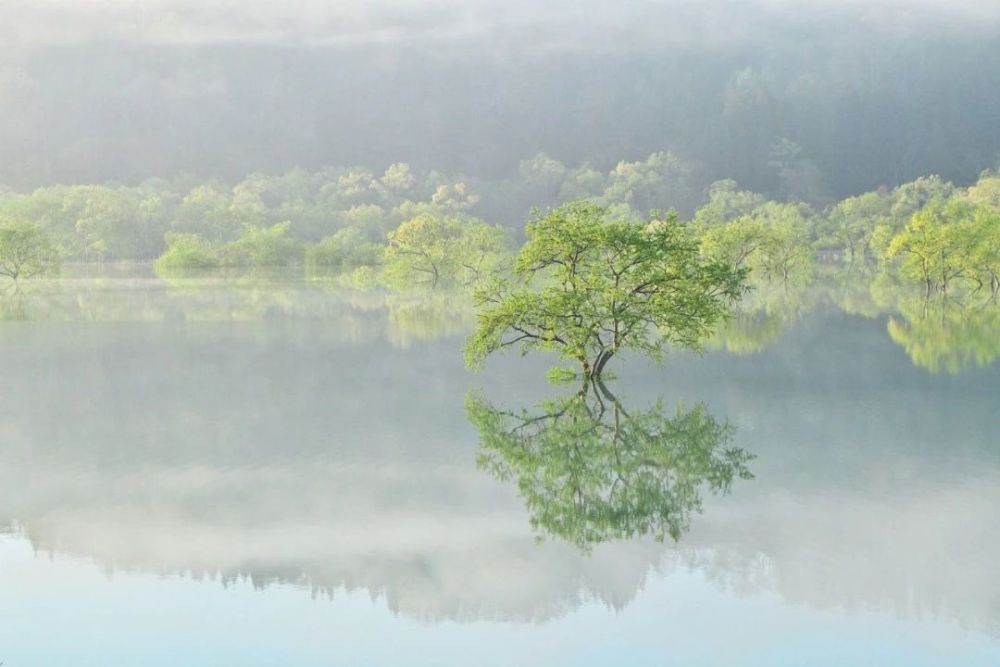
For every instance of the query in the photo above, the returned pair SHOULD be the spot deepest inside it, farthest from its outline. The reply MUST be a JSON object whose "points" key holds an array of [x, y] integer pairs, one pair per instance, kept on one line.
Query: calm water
{"points": [[275, 473]]}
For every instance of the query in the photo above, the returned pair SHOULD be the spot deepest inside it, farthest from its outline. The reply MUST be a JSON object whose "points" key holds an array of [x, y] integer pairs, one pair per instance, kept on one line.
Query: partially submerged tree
{"points": [[442, 251], [588, 287], [937, 245], [772, 241], [25, 251], [187, 252], [343, 251]]}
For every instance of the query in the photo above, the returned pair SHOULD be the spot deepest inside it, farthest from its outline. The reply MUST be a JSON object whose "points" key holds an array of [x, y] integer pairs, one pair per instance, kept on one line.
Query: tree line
{"points": [[402, 227]]}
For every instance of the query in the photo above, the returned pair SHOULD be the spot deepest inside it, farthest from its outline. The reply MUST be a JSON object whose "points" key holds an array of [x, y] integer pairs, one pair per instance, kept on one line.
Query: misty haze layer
{"points": [[874, 96]]}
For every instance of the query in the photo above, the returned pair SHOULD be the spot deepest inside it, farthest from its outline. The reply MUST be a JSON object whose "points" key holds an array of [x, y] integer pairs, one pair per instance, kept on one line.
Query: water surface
{"points": [[267, 472]]}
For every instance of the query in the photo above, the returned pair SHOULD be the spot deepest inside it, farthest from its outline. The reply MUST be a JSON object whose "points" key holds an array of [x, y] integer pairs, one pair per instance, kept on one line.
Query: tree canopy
{"points": [[587, 286], [440, 251], [25, 251]]}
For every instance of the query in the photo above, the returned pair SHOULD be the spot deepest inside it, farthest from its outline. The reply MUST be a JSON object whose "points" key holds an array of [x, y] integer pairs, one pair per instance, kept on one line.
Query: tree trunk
{"points": [[602, 361]]}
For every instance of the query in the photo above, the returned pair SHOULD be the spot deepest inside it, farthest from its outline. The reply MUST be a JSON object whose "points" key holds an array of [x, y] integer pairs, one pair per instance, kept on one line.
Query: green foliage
{"points": [[217, 215], [256, 248], [786, 251], [261, 247], [361, 278], [343, 251], [587, 287], [726, 203], [116, 223], [426, 316], [345, 216], [561, 374], [936, 246], [762, 316], [946, 336], [435, 251], [26, 251], [911, 197], [773, 240], [986, 191], [736, 242], [589, 471], [853, 223], [187, 252], [662, 181], [984, 256]]}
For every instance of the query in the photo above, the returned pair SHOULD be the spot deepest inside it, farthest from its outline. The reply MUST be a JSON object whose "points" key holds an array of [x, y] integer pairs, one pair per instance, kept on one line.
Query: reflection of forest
{"points": [[945, 335], [763, 315], [940, 333], [351, 315]]}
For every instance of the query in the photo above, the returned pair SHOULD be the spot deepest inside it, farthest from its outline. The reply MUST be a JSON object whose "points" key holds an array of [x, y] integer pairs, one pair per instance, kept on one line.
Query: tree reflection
{"points": [[947, 335], [590, 471], [763, 315], [12, 305]]}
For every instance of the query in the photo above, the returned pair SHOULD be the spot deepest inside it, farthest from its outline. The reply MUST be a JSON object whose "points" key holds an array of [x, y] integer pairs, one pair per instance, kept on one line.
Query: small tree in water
{"points": [[25, 252], [588, 287]]}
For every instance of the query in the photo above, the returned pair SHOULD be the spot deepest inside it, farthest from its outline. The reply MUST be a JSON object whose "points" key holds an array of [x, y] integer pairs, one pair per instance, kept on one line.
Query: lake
{"points": [[283, 472]]}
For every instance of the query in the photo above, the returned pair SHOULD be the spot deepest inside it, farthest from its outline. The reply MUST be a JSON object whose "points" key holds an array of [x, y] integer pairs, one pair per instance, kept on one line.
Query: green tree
{"points": [[343, 251], [588, 287], [937, 244], [117, 223], [589, 471], [442, 251], [397, 183], [214, 214], [911, 197], [773, 241], [736, 242], [787, 250], [985, 253], [51, 209], [726, 203], [853, 222], [25, 252], [662, 181], [187, 252], [986, 190], [261, 247]]}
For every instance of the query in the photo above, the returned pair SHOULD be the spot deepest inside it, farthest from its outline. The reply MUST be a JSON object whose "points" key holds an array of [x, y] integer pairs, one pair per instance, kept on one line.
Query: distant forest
{"points": [[810, 111]]}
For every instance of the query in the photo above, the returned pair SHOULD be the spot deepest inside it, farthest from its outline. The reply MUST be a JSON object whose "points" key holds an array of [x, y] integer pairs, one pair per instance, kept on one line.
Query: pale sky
{"points": [[577, 24]]}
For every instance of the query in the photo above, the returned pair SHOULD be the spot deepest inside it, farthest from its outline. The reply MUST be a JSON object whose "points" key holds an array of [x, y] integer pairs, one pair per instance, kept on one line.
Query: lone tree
{"points": [[588, 286], [25, 251]]}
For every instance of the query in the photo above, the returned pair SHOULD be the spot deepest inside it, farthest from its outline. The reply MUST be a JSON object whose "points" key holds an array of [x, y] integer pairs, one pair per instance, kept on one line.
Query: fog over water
{"points": [[266, 268]]}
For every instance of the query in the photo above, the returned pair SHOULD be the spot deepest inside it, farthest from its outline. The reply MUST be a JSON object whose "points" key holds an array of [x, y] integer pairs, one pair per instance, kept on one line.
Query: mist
{"points": [[485, 332], [873, 93]]}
